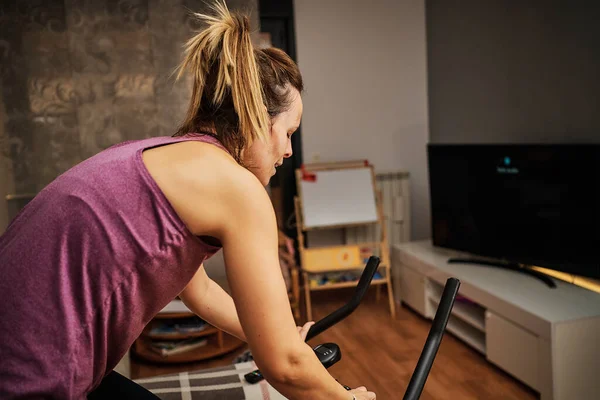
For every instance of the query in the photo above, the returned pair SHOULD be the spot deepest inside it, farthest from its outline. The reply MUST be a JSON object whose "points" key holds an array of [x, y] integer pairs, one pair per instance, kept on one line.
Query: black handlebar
{"points": [[419, 376], [347, 309]]}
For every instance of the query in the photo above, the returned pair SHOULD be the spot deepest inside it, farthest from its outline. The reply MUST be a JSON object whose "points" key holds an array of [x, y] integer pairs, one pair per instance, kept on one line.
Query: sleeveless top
{"points": [[84, 267]]}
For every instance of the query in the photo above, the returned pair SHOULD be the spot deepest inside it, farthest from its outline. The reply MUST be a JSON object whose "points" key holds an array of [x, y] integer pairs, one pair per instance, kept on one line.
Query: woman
{"points": [[103, 248]]}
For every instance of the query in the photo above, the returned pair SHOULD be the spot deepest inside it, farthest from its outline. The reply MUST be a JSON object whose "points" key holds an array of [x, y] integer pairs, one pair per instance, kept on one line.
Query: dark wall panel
{"points": [[513, 71], [78, 76]]}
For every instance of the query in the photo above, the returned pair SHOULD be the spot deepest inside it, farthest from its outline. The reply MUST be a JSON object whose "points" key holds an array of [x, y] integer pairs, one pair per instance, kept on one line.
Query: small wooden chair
{"points": [[289, 268]]}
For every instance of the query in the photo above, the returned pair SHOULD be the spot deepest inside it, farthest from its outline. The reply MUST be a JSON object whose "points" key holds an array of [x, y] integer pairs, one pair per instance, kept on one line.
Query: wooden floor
{"points": [[381, 353]]}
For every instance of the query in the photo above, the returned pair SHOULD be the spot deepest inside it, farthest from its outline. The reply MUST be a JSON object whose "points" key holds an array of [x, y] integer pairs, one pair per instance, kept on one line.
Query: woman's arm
{"points": [[216, 197], [250, 248], [205, 298]]}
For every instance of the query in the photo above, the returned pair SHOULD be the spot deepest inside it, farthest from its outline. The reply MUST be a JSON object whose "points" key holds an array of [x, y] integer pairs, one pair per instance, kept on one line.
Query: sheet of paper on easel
{"points": [[339, 197]]}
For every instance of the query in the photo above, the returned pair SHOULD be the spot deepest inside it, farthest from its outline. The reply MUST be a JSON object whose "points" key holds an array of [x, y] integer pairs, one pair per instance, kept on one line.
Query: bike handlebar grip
{"points": [[432, 344], [347, 309]]}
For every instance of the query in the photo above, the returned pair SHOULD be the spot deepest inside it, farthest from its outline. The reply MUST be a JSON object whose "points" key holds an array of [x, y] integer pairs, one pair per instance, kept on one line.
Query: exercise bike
{"points": [[330, 353]]}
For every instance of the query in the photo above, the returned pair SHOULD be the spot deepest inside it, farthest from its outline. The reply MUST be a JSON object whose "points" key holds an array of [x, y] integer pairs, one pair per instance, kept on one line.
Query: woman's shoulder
{"points": [[203, 183], [216, 172], [206, 165]]}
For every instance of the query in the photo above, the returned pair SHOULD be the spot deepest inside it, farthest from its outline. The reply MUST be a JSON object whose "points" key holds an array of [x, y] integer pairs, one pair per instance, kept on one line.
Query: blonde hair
{"points": [[232, 82]]}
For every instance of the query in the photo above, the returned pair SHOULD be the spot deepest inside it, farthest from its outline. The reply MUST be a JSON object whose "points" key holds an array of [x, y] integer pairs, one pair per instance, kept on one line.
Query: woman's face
{"points": [[262, 158]]}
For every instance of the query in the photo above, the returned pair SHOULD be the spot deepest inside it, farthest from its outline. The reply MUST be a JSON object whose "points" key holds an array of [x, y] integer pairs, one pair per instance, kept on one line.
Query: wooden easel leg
{"points": [[297, 312], [307, 298], [296, 294], [391, 298]]}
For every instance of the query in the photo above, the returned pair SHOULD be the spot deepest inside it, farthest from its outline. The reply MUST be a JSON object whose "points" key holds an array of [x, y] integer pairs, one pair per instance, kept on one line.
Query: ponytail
{"points": [[226, 81]]}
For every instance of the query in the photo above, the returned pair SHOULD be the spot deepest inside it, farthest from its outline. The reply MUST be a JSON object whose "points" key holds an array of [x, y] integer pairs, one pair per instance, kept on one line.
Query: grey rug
{"points": [[224, 383]]}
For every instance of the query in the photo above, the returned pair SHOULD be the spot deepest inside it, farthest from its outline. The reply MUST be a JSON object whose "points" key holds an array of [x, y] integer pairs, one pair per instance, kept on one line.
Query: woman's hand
{"points": [[303, 330], [361, 393]]}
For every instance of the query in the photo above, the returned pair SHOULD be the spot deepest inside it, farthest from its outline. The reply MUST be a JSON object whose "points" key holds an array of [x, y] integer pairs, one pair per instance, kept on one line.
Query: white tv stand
{"points": [[547, 338]]}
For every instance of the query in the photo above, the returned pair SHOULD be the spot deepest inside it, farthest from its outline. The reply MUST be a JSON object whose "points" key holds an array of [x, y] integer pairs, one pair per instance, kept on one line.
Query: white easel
{"points": [[333, 196]]}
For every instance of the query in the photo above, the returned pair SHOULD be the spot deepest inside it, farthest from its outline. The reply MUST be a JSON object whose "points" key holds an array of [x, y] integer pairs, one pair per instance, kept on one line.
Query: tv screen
{"points": [[530, 204]]}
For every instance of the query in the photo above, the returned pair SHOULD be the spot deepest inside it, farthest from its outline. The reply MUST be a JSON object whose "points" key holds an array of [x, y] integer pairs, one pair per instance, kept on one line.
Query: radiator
{"points": [[395, 192]]}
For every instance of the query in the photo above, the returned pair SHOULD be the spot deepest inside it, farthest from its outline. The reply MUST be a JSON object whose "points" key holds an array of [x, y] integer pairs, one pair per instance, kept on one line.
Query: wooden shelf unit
{"points": [[218, 342], [208, 331]]}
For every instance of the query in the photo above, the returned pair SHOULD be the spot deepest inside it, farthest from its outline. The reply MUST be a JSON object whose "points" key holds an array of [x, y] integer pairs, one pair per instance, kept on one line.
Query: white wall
{"points": [[364, 67], [528, 75]]}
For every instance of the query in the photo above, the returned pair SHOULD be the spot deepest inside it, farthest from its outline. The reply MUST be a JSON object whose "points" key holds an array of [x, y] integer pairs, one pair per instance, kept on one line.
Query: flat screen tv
{"points": [[522, 204]]}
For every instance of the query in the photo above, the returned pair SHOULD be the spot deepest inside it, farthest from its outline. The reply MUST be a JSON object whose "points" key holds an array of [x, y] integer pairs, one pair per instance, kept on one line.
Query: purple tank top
{"points": [[84, 267]]}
